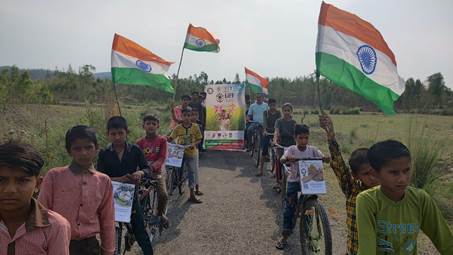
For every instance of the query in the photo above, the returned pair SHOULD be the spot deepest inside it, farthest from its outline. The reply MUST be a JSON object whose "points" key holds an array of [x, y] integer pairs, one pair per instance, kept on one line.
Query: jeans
{"points": [[252, 128], [87, 246], [191, 165], [138, 227], [289, 206], [162, 196]]}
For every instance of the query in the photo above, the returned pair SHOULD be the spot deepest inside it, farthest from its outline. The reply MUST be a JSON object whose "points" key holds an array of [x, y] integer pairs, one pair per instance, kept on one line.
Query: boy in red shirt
{"points": [[27, 227], [154, 146]]}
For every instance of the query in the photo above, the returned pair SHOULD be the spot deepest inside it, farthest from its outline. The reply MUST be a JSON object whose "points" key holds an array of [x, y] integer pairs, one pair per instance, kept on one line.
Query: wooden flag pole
{"points": [[319, 92], [179, 68], [116, 98]]}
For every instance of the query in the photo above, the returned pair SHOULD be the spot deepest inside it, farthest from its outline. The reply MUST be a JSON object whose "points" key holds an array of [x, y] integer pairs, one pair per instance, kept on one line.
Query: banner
{"points": [[123, 197], [175, 154], [225, 117], [312, 177]]}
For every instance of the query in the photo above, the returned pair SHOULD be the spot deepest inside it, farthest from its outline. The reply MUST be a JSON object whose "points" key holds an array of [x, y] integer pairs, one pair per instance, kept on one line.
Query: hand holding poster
{"points": [[123, 197], [312, 177], [175, 155]]}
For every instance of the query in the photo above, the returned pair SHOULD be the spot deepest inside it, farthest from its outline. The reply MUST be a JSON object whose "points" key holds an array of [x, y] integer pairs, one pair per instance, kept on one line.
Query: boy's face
{"points": [[186, 117], [194, 117], [273, 106], [287, 112], [151, 126], [302, 140], [16, 189], [259, 99], [395, 176], [185, 102], [366, 175], [117, 136], [83, 152]]}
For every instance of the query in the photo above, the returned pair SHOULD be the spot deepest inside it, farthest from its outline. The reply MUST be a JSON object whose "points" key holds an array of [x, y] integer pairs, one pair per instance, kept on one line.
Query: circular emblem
{"points": [[219, 97], [200, 43], [210, 91], [367, 58], [143, 66]]}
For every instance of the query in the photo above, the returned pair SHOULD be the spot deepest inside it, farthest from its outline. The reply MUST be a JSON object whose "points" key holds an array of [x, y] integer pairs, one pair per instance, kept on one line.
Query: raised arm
{"points": [[337, 162]]}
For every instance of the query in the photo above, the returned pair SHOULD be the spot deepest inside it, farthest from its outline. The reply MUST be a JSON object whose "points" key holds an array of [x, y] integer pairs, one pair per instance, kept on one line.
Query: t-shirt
{"points": [[391, 228], [132, 160], [309, 152], [257, 112], [269, 120], [155, 151], [186, 136], [286, 131]]}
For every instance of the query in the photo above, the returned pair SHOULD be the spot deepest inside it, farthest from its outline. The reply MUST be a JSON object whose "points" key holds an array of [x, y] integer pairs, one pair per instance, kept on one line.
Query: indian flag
{"points": [[199, 39], [134, 65], [257, 83], [354, 55]]}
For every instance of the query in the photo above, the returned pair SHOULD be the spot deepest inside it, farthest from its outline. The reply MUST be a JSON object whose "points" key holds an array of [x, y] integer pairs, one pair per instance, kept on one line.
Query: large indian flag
{"points": [[354, 55], [257, 83], [134, 65], [199, 39]]}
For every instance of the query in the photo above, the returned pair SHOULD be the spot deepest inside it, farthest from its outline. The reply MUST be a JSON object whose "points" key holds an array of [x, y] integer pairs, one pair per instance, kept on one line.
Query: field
{"points": [[45, 126]]}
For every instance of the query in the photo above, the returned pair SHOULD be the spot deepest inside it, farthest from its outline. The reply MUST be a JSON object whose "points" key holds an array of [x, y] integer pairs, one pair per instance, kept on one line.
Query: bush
{"points": [[351, 111]]}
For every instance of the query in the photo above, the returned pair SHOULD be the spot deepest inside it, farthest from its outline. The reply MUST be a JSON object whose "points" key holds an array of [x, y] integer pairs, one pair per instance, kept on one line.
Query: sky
{"points": [[273, 38]]}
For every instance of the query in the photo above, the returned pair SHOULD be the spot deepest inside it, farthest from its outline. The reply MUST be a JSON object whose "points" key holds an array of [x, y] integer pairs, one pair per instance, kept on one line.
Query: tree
{"points": [[436, 88]]}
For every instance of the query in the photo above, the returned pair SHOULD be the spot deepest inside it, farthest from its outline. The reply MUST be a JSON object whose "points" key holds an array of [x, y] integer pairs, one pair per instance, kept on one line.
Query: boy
{"points": [[255, 116], [294, 152], [125, 162], [390, 216], [26, 227], [155, 148], [270, 117], [194, 119], [189, 134], [176, 111], [353, 180], [82, 195]]}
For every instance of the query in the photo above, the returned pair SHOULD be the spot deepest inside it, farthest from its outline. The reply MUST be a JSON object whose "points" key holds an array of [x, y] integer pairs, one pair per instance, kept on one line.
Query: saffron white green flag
{"points": [[134, 65], [257, 83], [199, 39], [354, 55]]}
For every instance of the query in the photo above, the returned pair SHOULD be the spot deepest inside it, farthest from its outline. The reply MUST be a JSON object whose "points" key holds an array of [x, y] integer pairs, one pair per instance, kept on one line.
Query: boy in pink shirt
{"points": [[82, 195], [27, 227], [176, 111]]}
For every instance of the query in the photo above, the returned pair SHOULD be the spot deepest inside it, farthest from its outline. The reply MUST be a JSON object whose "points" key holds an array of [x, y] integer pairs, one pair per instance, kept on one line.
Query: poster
{"points": [[225, 116], [175, 154], [312, 177], [123, 197]]}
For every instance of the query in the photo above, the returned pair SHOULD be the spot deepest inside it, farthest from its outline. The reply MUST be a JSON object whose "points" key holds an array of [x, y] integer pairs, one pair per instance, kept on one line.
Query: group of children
{"points": [[74, 207], [384, 213]]}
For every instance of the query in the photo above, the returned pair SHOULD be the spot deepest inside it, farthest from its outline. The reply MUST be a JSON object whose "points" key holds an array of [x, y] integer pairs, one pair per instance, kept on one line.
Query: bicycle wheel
{"points": [[257, 151], [252, 145], [118, 237], [169, 182], [315, 234]]}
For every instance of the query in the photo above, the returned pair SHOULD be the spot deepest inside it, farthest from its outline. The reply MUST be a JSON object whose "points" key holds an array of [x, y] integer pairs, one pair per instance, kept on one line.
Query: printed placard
{"points": [[312, 177], [123, 197], [175, 155]]}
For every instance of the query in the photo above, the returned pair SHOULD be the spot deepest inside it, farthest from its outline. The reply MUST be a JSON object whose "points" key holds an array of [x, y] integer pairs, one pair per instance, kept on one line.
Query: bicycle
{"points": [[314, 226], [176, 177], [255, 143], [280, 177]]}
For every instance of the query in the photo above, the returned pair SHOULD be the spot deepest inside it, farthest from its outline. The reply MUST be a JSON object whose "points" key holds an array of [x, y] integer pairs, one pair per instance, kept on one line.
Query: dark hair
{"points": [[289, 105], [186, 97], [301, 129], [22, 156], [150, 117], [203, 93], [188, 109], [271, 101], [117, 122], [358, 158], [382, 152], [80, 132]]}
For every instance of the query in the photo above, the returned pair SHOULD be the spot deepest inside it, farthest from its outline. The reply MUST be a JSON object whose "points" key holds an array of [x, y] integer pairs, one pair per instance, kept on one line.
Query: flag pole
{"points": [[180, 62], [321, 111], [116, 98]]}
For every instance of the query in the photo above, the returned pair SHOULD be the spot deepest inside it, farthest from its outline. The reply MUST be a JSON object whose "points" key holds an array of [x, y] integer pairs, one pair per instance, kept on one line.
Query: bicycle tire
{"points": [[252, 146], [326, 235], [258, 152], [118, 238]]}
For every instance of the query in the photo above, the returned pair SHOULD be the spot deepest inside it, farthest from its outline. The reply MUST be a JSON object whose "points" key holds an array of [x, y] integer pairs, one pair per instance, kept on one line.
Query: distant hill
{"points": [[44, 74]]}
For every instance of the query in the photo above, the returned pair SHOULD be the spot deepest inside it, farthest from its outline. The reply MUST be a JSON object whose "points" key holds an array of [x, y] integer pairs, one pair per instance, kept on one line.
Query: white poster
{"points": [[123, 197], [175, 154], [312, 177]]}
